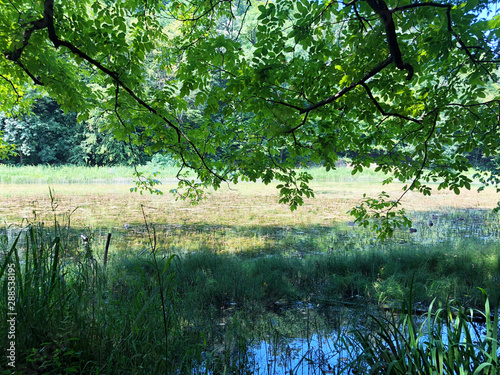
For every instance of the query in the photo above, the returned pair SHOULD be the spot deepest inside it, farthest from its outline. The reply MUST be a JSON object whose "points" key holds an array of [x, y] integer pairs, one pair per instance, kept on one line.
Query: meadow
{"points": [[197, 289]]}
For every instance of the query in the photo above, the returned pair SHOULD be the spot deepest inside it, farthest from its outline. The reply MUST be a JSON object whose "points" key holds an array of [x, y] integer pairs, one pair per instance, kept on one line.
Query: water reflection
{"points": [[318, 354], [312, 339]]}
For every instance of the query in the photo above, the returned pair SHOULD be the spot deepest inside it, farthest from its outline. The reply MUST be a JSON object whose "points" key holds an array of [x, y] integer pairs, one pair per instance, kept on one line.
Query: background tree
{"points": [[314, 78], [45, 137], [49, 136]]}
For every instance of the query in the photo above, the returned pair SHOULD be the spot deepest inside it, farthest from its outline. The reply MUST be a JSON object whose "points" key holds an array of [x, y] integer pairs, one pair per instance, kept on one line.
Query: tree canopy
{"points": [[305, 79]]}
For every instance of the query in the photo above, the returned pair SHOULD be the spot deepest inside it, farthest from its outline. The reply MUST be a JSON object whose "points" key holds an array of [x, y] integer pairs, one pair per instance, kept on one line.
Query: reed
{"points": [[446, 341]]}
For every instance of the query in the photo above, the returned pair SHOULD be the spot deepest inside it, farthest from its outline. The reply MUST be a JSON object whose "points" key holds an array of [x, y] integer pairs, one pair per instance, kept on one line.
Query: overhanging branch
{"points": [[422, 166], [48, 22], [381, 110], [353, 85], [380, 7], [430, 4]]}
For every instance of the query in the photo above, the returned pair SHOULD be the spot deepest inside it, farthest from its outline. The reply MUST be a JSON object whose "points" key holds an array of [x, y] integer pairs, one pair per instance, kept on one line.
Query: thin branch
{"points": [[298, 126], [431, 4], [475, 104], [194, 19], [48, 22], [353, 85], [35, 80], [320, 14], [422, 166], [381, 110], [284, 104], [401, 140], [361, 19], [352, 2], [419, 5], [242, 22], [13, 87], [463, 46], [488, 61]]}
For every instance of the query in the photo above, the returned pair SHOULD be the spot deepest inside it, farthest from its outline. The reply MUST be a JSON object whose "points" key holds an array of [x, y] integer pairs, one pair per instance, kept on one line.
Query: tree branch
{"points": [[381, 110], [298, 126], [195, 19], [420, 5], [353, 85], [48, 22], [422, 166], [380, 7], [13, 86], [430, 4], [35, 80]]}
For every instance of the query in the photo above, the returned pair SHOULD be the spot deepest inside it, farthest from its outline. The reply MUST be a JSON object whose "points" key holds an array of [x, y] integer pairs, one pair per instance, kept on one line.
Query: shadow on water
{"points": [[312, 339], [318, 349], [429, 228]]}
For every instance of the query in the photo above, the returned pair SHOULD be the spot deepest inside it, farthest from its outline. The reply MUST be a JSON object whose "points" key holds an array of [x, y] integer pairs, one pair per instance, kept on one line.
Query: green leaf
{"points": [[470, 5]]}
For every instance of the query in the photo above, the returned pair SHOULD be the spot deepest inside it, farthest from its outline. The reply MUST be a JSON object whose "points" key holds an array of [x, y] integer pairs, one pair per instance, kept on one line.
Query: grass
{"points": [[46, 174], [246, 273], [72, 174]]}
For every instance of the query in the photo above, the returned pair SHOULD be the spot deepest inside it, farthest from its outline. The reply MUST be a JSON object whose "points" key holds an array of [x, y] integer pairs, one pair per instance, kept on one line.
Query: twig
{"points": [[152, 242]]}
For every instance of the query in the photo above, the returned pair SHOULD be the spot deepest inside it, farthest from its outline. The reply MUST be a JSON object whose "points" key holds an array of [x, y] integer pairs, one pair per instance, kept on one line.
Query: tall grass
{"points": [[73, 316], [46, 174], [84, 174], [446, 341]]}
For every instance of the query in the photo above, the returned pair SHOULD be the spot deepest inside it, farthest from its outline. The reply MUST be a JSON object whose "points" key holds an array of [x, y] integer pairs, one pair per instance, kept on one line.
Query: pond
{"points": [[240, 264]]}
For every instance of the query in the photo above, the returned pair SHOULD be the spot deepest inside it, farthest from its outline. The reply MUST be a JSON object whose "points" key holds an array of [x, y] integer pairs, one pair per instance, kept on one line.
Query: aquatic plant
{"points": [[448, 340]]}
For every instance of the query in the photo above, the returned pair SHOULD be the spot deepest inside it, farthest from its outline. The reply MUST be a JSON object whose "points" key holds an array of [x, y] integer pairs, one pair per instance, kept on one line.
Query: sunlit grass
{"points": [[45, 174]]}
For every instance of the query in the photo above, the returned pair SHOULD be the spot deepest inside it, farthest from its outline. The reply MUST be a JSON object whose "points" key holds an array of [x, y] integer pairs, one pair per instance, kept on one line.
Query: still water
{"points": [[325, 342]]}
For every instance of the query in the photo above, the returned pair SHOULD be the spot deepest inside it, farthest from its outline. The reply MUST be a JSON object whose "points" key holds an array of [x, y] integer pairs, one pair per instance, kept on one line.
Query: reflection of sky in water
{"points": [[477, 332], [318, 355], [325, 355]]}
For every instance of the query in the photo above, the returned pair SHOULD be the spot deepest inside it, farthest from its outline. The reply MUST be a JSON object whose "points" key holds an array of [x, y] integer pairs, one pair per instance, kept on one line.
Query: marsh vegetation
{"points": [[239, 284]]}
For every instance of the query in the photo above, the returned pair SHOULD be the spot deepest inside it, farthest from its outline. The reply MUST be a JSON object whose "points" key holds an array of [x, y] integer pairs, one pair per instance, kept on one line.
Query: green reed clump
{"points": [[47, 295], [74, 316], [445, 341]]}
